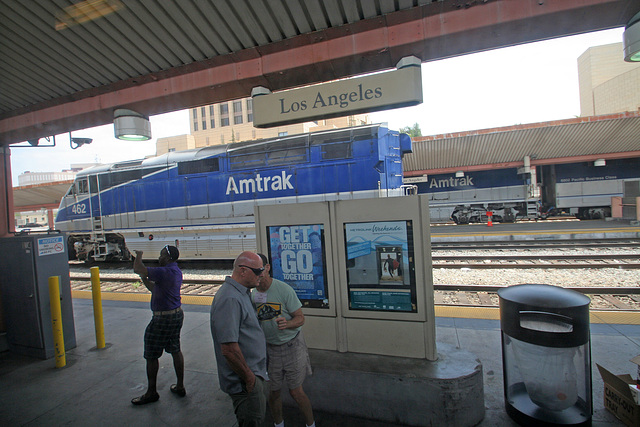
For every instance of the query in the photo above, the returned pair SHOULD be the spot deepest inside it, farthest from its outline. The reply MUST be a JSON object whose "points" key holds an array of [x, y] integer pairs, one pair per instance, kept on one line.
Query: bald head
{"points": [[247, 269]]}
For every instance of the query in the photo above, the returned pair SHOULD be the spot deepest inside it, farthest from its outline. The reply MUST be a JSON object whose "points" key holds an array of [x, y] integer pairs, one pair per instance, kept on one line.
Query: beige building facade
{"points": [[608, 85], [232, 121]]}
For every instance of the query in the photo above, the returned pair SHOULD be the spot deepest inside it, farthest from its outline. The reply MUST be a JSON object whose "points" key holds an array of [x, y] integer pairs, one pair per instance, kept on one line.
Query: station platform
{"points": [[96, 386]]}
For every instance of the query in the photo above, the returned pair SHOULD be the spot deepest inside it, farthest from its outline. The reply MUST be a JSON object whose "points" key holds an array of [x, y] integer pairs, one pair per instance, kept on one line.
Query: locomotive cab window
{"points": [[93, 184], [79, 187], [82, 187]]}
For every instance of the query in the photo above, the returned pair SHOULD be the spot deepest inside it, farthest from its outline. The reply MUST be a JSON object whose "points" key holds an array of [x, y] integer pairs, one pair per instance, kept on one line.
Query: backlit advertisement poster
{"points": [[298, 259], [380, 266]]}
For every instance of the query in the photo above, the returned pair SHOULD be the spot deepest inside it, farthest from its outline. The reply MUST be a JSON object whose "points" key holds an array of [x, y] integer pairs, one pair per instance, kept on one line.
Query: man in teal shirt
{"points": [[280, 313]]}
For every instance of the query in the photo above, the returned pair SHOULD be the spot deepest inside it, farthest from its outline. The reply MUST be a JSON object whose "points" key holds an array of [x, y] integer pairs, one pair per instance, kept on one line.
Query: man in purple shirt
{"points": [[163, 332]]}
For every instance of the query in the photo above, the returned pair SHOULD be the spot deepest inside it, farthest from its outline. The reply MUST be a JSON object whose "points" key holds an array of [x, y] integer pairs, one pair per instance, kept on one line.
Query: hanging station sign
{"points": [[376, 92]]}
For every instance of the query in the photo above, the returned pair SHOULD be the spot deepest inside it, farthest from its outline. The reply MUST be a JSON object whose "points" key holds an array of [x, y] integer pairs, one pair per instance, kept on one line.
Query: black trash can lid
{"points": [[543, 296]]}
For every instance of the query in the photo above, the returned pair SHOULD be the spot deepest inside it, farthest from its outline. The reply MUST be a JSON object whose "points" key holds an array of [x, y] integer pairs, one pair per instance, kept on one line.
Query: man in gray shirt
{"points": [[239, 343]]}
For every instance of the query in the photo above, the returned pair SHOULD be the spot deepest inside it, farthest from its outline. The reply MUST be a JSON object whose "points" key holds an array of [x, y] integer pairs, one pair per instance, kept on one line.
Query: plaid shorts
{"points": [[288, 363], [163, 333]]}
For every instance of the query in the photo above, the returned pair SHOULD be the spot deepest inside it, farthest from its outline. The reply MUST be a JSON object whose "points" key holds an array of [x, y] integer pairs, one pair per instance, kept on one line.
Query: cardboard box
{"points": [[618, 398], [636, 360], [635, 392]]}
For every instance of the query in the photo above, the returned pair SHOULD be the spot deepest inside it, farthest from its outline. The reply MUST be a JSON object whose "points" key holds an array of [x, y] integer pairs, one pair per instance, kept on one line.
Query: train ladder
{"points": [[97, 225], [100, 249], [532, 209]]}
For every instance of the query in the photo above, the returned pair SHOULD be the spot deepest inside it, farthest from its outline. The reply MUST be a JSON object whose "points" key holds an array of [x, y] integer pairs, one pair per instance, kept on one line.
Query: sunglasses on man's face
{"points": [[256, 271]]}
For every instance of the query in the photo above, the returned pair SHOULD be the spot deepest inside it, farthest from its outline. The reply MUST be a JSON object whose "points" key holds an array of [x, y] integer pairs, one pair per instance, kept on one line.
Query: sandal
{"points": [[144, 399], [182, 392]]}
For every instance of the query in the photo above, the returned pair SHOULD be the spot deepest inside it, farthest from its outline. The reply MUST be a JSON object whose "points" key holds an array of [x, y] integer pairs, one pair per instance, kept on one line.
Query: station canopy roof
{"points": [[68, 64], [611, 136], [34, 197]]}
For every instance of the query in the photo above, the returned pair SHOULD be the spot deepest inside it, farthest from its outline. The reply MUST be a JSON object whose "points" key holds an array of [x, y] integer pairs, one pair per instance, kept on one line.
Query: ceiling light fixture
{"points": [[631, 39], [131, 126], [86, 11]]}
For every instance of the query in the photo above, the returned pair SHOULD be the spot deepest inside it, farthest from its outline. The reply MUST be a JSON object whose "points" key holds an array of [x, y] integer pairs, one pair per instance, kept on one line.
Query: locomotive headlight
{"points": [[131, 126], [631, 39]]}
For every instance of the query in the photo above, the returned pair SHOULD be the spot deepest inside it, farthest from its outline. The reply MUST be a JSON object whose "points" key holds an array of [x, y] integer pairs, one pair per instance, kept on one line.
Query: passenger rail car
{"points": [[585, 190], [203, 200], [580, 189], [466, 199]]}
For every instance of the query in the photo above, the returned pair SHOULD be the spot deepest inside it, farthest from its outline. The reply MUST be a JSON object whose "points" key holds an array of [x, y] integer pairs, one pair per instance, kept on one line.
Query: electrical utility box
{"points": [[26, 263]]}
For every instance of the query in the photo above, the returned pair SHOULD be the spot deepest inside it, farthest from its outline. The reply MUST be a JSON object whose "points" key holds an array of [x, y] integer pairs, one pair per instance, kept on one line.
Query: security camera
{"points": [[80, 142]]}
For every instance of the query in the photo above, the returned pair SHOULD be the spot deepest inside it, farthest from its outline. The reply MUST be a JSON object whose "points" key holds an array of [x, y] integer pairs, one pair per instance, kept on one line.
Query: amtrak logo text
{"points": [[450, 182], [260, 184]]}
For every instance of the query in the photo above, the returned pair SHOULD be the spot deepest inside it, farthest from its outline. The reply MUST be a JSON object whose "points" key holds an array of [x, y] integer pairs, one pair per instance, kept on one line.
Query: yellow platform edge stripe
{"points": [[140, 297], [491, 313]]}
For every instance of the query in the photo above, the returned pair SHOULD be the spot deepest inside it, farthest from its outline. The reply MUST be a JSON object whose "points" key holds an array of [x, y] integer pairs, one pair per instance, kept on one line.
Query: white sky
{"points": [[530, 83]]}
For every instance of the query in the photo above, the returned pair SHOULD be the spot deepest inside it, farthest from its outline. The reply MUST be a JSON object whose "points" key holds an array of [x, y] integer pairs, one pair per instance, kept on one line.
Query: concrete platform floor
{"points": [[96, 386]]}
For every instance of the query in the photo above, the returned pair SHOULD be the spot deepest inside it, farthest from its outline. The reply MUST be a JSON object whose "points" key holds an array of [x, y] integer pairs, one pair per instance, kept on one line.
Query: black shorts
{"points": [[163, 333]]}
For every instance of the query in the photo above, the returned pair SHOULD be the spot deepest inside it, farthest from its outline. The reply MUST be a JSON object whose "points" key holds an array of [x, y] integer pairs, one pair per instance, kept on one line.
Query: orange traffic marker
{"points": [[489, 222]]}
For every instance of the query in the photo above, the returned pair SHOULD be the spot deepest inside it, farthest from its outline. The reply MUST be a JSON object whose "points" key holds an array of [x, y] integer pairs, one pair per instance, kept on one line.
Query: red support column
{"points": [[50, 219], [7, 222], [616, 207]]}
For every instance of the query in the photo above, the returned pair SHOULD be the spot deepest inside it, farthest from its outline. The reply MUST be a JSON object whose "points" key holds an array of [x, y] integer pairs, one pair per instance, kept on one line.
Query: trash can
{"points": [[546, 355]]}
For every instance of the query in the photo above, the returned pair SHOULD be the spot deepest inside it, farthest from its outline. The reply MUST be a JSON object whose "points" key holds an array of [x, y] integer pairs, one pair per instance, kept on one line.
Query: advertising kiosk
{"points": [[362, 270]]}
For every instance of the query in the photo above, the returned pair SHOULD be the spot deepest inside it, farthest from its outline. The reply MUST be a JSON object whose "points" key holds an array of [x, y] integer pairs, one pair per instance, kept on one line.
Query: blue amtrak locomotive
{"points": [[203, 200]]}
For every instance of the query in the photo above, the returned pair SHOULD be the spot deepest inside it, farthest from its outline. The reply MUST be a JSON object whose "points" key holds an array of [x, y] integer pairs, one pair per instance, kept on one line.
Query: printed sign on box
{"points": [[618, 398], [50, 246]]}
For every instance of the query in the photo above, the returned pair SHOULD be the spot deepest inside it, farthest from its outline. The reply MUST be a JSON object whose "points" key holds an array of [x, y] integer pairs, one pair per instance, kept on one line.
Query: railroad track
{"points": [[604, 298], [624, 261], [535, 244]]}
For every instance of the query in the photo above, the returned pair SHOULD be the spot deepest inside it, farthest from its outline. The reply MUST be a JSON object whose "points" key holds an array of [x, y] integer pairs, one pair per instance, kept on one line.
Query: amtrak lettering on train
{"points": [[260, 184], [451, 182], [203, 200]]}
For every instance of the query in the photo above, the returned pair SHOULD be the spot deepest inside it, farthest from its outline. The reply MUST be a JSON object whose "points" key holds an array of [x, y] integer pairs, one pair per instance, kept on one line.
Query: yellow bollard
{"points": [[97, 307], [56, 321]]}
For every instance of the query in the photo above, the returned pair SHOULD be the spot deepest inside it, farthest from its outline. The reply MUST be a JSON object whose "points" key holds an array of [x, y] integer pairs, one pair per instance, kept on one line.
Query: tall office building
{"points": [[232, 121], [607, 84]]}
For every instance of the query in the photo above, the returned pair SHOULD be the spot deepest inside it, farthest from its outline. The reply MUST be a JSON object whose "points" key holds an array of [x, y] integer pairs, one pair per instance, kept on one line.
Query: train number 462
{"points": [[79, 209]]}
